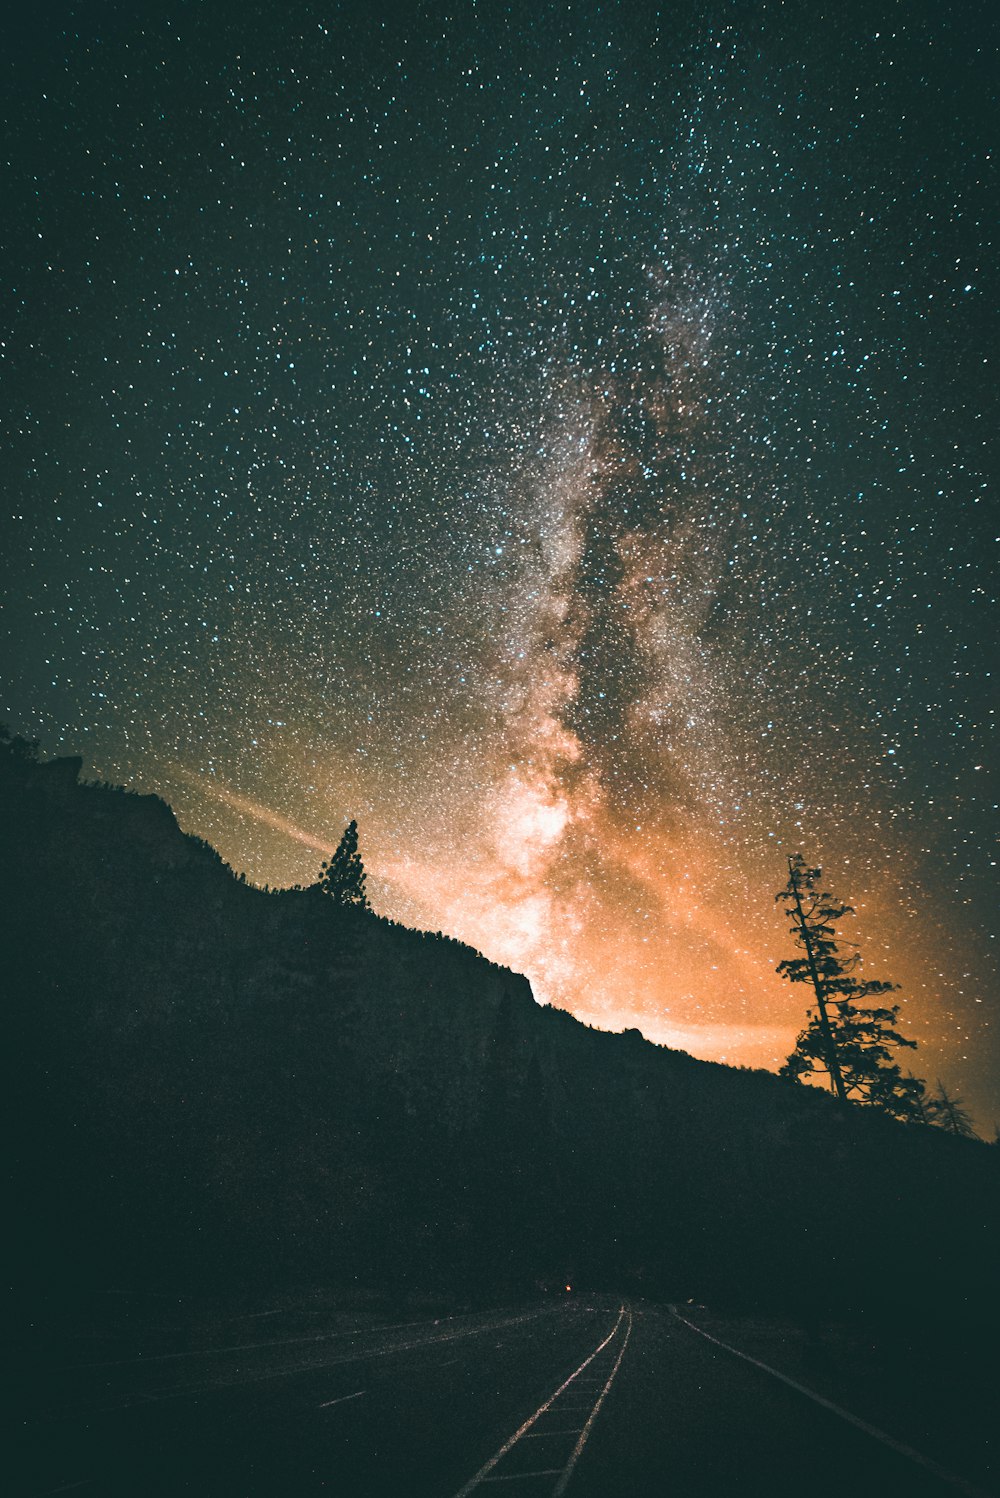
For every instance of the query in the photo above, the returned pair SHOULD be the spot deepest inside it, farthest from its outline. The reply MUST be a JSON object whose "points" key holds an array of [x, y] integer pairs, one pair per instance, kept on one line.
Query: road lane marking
{"points": [[357, 1331], [344, 1399], [952, 1478], [567, 1473], [139, 1400], [483, 1474], [520, 1476]]}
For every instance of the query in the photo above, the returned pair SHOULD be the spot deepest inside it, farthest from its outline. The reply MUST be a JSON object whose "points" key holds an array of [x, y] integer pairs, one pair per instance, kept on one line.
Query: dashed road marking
{"points": [[150, 1359], [354, 1356], [344, 1399], [520, 1476]]}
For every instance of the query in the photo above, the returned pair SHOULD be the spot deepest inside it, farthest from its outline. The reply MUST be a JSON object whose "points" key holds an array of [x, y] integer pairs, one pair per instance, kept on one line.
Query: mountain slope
{"points": [[216, 1081]]}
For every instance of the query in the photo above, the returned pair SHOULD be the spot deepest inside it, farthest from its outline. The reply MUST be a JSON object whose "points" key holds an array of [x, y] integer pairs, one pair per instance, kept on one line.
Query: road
{"points": [[578, 1395]]}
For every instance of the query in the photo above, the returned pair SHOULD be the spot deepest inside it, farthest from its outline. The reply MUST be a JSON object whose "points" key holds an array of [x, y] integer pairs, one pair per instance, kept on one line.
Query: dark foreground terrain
{"points": [[221, 1086], [591, 1395], [224, 1092]]}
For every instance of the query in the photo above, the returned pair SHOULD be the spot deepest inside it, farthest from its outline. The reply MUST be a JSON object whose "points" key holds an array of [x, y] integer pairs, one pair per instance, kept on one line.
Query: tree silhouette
{"points": [[20, 751], [343, 877], [921, 1113], [850, 1043], [949, 1113]]}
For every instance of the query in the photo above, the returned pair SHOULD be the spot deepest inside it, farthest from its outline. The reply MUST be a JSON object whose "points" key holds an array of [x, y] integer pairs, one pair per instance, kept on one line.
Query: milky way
{"points": [[561, 442]]}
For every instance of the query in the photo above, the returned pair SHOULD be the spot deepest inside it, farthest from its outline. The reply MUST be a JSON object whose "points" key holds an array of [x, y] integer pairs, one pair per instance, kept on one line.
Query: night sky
{"points": [[558, 436]]}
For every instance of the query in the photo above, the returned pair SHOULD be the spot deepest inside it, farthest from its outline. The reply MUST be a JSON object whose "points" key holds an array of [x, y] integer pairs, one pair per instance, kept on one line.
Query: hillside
{"points": [[216, 1082]]}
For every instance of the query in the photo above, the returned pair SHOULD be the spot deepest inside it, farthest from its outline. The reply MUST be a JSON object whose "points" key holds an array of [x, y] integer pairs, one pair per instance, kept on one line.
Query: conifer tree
{"points": [[13, 747], [918, 1092], [845, 1040], [343, 877], [948, 1113]]}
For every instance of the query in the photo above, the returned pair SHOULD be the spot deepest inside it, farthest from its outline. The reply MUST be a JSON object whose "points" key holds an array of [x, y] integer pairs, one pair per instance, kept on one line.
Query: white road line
{"points": [[539, 1435], [567, 1473], [487, 1467], [952, 1478], [281, 1311], [141, 1399], [344, 1399], [520, 1476], [210, 1352]]}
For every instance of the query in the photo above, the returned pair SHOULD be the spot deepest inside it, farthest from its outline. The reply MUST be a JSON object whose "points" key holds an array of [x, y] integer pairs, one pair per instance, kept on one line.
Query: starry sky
{"points": [[557, 435]]}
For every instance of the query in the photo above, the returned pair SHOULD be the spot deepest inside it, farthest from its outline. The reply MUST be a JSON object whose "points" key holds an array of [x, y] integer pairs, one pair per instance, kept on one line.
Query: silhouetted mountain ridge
{"points": [[216, 1081]]}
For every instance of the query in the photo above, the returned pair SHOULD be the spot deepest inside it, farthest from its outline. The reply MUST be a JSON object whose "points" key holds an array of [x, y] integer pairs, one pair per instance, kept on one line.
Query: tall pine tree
{"points": [[343, 877], [847, 1041], [949, 1113]]}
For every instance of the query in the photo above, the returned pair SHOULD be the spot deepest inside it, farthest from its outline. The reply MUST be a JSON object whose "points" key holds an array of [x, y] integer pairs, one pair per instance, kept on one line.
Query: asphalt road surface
{"points": [[582, 1396]]}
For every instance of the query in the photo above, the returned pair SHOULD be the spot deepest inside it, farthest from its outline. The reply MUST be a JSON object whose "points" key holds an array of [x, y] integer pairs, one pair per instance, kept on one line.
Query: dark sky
{"points": [[559, 436]]}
